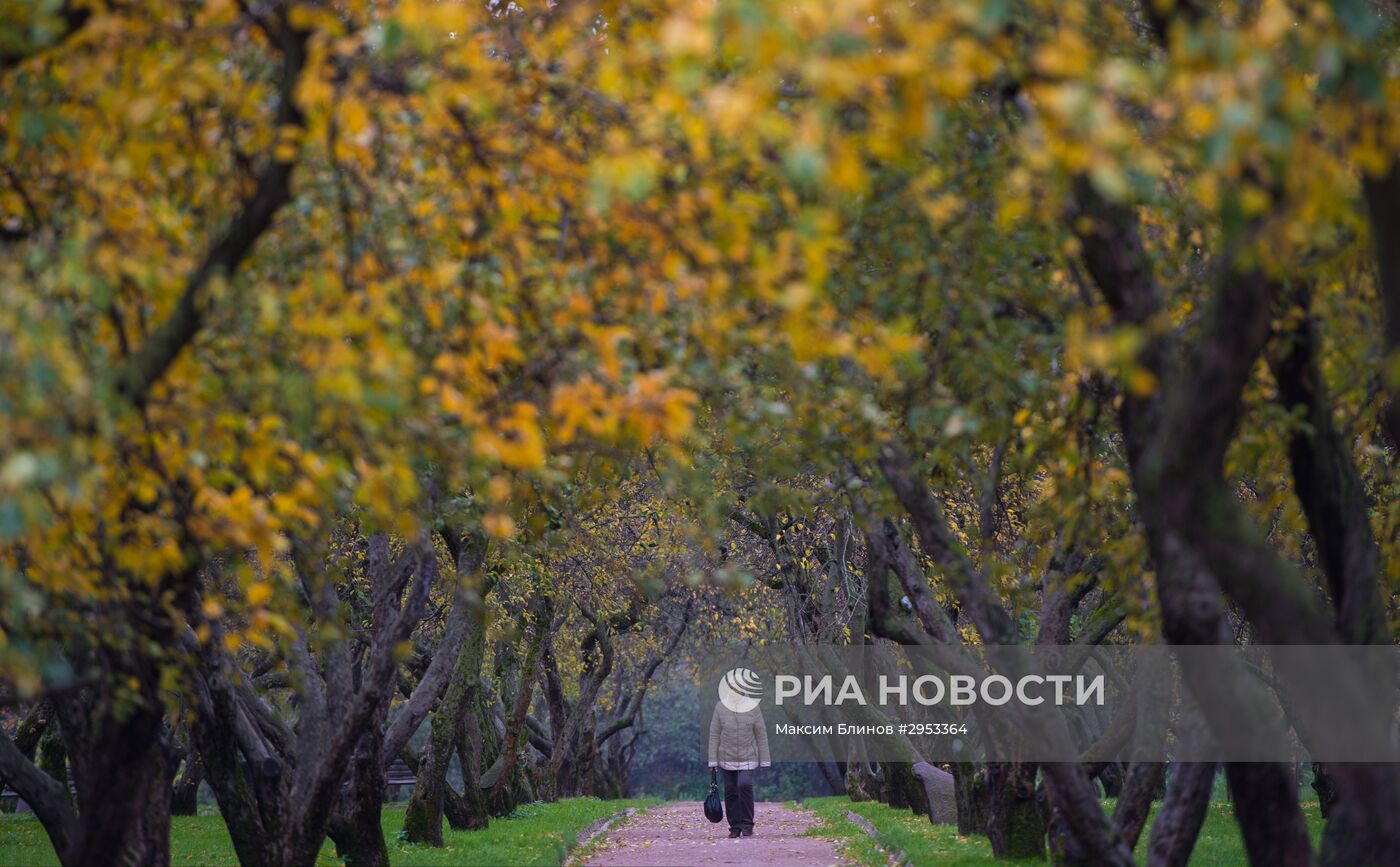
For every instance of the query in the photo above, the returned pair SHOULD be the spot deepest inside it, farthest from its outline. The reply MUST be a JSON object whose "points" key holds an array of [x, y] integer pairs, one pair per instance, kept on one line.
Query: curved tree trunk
{"points": [[1183, 811], [517, 724], [250, 798], [47, 797], [1139, 790], [28, 734], [1175, 441]]}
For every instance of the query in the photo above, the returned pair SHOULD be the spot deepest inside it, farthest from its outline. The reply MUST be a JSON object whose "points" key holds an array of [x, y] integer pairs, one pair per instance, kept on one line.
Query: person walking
{"points": [[738, 747]]}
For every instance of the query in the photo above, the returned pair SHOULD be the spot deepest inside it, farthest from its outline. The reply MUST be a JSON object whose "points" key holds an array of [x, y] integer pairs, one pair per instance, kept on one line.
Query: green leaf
{"points": [[1359, 18], [993, 14]]}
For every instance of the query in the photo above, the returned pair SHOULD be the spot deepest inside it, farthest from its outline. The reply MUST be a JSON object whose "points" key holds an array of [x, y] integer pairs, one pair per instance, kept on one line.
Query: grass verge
{"points": [[901, 830], [607, 826], [1219, 844], [535, 834]]}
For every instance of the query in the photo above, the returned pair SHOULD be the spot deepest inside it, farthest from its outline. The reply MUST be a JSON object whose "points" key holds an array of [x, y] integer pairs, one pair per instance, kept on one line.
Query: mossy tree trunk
{"points": [[423, 818], [52, 756], [1015, 825], [899, 777], [184, 795], [477, 747], [355, 827], [121, 770], [895, 794], [970, 788]]}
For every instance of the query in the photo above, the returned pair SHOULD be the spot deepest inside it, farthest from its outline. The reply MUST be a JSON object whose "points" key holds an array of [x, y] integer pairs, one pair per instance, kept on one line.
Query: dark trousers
{"points": [[738, 799]]}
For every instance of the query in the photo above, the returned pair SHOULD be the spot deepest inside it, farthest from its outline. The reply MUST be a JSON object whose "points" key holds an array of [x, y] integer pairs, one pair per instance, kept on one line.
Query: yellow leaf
{"points": [[499, 525]]}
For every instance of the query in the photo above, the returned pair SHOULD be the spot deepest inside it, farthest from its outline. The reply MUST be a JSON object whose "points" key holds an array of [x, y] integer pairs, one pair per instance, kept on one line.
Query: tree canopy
{"points": [[365, 363]]}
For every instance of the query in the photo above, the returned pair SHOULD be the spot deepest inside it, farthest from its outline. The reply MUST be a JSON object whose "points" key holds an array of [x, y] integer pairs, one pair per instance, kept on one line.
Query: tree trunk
{"points": [[860, 783], [1266, 807], [1060, 814], [896, 796], [1065, 848], [901, 776], [454, 808], [1014, 822], [52, 756], [252, 810], [563, 766], [1179, 820], [423, 819], [279, 788], [1362, 825], [1383, 209], [970, 786], [184, 796], [830, 771], [475, 747], [46, 796], [516, 724], [356, 826], [1176, 439], [1322, 784], [1111, 777], [28, 734], [1139, 790], [473, 743], [121, 769]]}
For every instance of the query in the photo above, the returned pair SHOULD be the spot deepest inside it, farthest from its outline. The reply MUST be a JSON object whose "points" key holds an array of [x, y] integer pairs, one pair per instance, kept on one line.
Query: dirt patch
{"points": [[678, 834]]}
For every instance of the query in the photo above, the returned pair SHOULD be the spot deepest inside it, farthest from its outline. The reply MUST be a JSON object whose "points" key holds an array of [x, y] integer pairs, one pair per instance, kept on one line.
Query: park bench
{"points": [[19, 804], [397, 776]]}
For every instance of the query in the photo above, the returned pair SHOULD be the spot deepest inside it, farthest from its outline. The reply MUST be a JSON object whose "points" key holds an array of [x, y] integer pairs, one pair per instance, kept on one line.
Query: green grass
{"points": [[851, 841], [923, 842], [535, 834], [542, 834], [1219, 844]]}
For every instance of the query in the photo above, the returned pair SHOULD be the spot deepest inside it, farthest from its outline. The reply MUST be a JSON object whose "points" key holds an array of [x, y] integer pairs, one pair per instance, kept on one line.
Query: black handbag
{"points": [[714, 804]]}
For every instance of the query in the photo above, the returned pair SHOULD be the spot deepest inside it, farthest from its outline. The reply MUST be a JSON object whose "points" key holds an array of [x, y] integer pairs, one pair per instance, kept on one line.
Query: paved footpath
{"points": [[678, 834]]}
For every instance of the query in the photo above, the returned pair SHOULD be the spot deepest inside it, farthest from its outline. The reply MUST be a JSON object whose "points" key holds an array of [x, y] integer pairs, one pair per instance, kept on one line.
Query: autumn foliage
{"points": [[356, 354]]}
